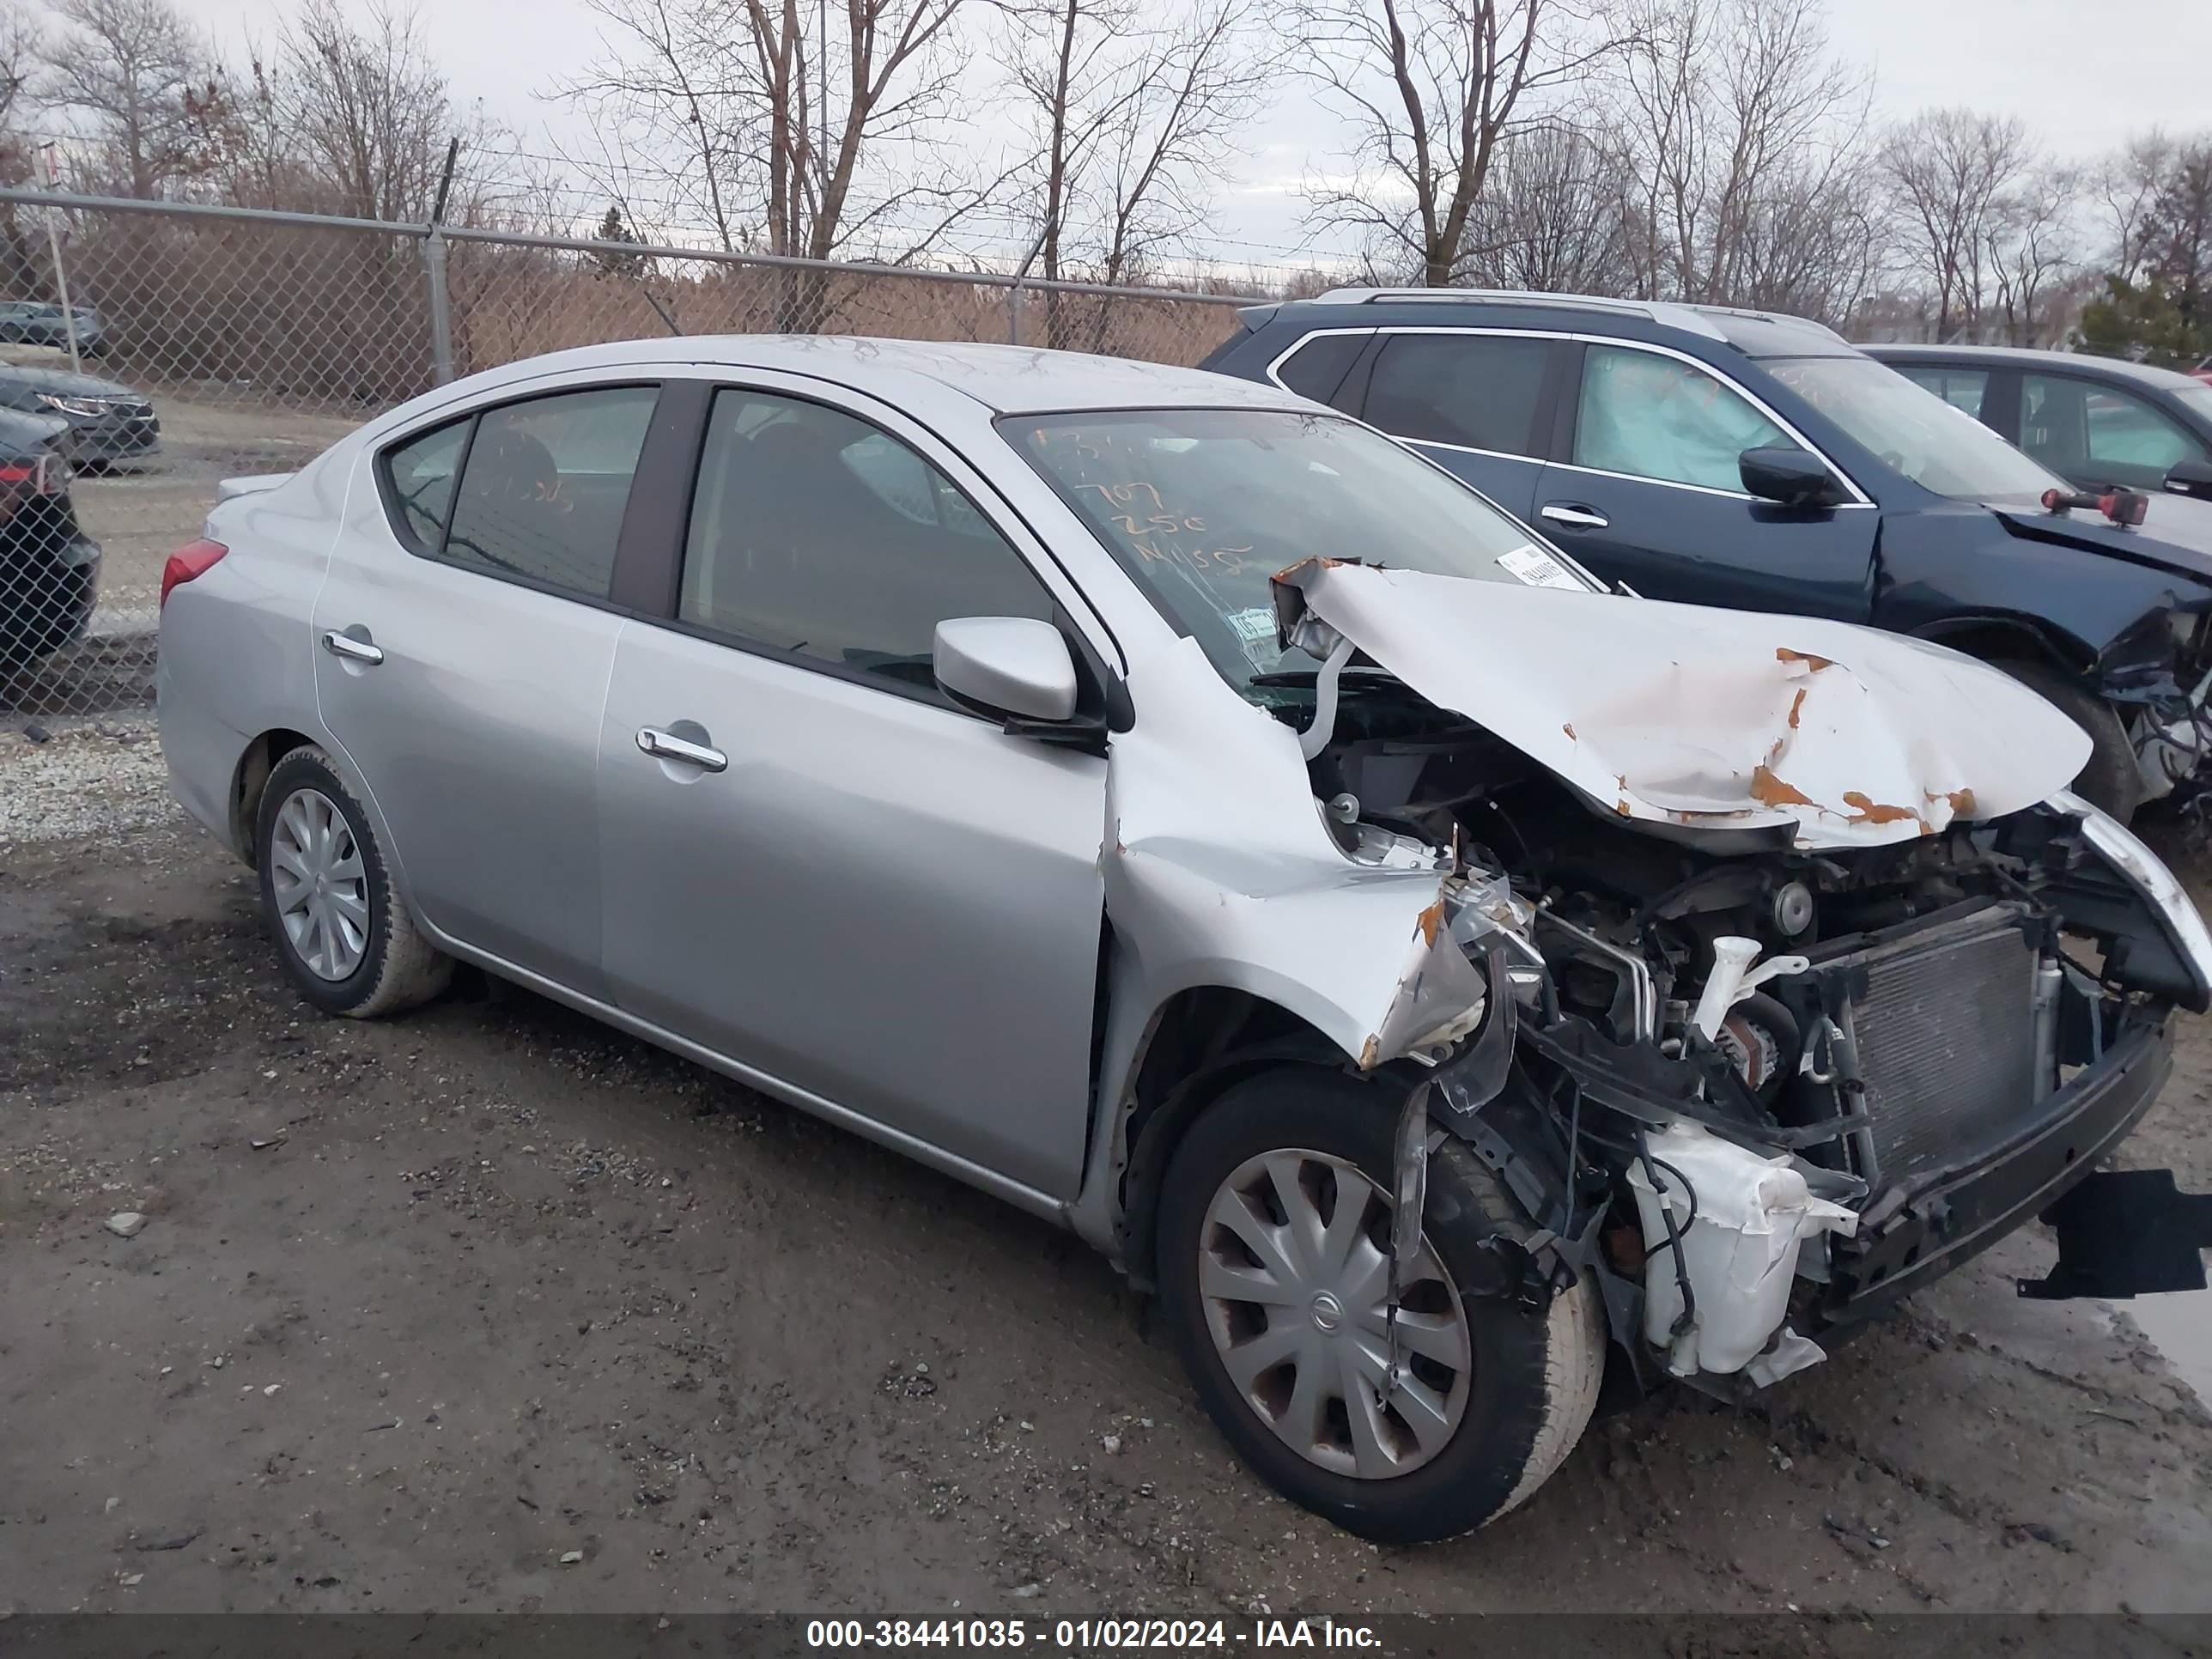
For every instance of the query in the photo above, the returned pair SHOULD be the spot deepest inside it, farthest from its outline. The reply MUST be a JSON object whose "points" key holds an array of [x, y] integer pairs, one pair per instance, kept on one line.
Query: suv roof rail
{"points": [[1787, 317], [1657, 311]]}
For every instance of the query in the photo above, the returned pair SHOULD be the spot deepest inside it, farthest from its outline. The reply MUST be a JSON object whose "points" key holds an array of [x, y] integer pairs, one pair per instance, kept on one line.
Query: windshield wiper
{"points": [[1368, 678]]}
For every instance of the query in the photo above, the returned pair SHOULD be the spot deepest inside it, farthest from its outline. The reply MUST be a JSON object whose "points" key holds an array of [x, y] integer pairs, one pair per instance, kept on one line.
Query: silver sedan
{"points": [[1175, 808]]}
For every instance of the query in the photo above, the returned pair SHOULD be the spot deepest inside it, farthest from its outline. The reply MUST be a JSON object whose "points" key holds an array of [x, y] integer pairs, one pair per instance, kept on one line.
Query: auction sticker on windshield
{"points": [[1531, 564]]}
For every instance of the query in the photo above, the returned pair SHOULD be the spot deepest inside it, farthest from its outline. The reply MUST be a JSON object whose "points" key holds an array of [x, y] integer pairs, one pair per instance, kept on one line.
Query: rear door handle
{"points": [[345, 645], [666, 745], [1574, 515]]}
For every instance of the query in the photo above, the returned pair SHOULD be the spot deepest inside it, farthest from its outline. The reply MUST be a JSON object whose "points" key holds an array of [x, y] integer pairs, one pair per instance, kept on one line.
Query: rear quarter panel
{"points": [[236, 655]]}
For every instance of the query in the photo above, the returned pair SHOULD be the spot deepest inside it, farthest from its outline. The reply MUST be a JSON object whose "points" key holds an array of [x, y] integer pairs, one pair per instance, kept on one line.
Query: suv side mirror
{"points": [[2191, 478], [1014, 666], [1789, 476]]}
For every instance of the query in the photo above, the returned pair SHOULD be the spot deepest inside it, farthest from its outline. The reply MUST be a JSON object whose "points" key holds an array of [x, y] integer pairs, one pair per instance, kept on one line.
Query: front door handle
{"points": [[666, 745], [1574, 515], [346, 645]]}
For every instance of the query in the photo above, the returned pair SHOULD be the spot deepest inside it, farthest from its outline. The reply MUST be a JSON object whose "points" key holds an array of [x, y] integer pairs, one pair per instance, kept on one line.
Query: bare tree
{"points": [[2032, 241], [1552, 219], [798, 130], [138, 79], [2126, 188], [1950, 172], [1743, 132], [364, 110], [1432, 90], [1131, 120], [19, 59]]}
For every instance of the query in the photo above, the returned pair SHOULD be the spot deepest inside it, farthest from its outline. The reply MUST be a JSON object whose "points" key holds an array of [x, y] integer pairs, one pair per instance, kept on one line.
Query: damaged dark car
{"points": [[1758, 461]]}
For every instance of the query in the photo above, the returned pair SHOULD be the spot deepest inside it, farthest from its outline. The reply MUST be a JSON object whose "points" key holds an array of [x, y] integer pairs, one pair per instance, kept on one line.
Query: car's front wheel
{"points": [[345, 936], [2110, 778], [1273, 1267]]}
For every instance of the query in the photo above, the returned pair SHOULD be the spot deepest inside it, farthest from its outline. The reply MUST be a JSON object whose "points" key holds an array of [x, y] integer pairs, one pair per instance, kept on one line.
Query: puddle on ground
{"points": [[2179, 1324]]}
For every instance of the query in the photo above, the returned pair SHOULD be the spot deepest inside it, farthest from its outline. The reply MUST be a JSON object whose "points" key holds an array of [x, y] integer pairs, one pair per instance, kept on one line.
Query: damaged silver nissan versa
{"points": [[1181, 810]]}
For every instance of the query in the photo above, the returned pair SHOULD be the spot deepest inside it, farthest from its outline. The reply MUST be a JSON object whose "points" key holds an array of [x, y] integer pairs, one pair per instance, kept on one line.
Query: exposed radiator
{"points": [[1945, 1031]]}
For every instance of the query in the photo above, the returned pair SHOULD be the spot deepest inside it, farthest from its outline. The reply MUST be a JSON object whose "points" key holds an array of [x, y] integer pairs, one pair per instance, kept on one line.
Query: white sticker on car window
{"points": [[1253, 626], [1531, 564]]}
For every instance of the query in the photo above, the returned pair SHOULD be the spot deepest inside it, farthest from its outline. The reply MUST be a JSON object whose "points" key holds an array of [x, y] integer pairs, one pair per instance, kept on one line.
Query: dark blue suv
{"points": [[1761, 462]]}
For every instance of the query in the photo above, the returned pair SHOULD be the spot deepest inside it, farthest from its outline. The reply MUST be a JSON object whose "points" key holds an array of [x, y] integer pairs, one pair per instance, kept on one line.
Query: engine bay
{"points": [[1716, 1035]]}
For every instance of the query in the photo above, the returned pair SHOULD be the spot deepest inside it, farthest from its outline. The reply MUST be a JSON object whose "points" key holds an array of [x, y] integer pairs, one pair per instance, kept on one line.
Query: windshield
{"points": [[2197, 399], [1203, 506], [1937, 446]]}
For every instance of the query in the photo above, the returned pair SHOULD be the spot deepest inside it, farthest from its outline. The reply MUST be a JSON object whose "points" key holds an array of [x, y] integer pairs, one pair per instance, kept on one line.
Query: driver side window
{"points": [[818, 536], [1657, 417]]}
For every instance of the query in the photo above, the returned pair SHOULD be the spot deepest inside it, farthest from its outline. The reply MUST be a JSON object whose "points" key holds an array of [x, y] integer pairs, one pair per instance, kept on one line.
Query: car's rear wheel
{"points": [[345, 936], [1273, 1259], [2110, 778]]}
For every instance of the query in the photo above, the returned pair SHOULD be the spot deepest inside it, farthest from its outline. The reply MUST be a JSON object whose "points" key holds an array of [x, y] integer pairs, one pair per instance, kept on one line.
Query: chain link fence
{"points": [[159, 347]]}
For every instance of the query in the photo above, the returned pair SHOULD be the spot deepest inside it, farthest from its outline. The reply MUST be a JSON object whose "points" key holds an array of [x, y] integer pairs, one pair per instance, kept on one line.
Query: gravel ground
{"points": [[82, 777], [489, 1308]]}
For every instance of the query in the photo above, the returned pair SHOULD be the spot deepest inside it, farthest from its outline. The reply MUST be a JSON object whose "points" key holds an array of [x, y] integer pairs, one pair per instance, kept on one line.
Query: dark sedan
{"points": [[108, 423], [49, 568], [36, 322], [2097, 420]]}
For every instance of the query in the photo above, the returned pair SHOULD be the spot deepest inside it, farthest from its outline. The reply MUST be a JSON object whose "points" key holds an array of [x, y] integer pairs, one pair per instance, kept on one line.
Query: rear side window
{"points": [[1318, 367], [543, 486], [2100, 434], [1961, 388], [1477, 391], [1649, 416], [420, 473]]}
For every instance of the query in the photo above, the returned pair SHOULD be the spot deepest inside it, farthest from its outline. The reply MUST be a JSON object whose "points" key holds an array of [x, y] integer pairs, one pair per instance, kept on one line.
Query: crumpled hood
{"points": [[1723, 720]]}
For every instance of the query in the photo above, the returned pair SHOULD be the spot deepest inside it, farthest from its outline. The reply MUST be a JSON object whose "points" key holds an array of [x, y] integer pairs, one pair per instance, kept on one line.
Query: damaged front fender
{"points": [[1219, 871]]}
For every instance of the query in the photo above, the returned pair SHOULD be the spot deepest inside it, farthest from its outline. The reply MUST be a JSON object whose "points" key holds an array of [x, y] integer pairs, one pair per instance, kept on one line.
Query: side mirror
{"points": [[2191, 478], [1007, 666], [1789, 476]]}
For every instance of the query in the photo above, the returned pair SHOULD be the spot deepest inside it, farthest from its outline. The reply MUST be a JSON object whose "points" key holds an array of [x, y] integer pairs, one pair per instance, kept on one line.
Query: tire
{"points": [[1532, 1380], [2112, 779], [362, 954]]}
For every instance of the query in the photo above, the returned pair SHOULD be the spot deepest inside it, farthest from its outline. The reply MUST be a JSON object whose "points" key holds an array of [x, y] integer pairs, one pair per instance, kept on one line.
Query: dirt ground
{"points": [[489, 1308]]}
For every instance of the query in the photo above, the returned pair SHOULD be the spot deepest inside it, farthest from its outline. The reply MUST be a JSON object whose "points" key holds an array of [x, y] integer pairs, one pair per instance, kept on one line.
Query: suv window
{"points": [[1652, 417], [1961, 388], [544, 486], [420, 475], [1316, 369], [818, 536], [1479, 391], [2099, 434]]}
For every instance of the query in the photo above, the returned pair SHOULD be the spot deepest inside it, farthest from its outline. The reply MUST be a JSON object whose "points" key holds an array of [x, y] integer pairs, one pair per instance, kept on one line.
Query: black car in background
{"points": [[1761, 462], [108, 423], [38, 322], [2098, 422], [49, 568]]}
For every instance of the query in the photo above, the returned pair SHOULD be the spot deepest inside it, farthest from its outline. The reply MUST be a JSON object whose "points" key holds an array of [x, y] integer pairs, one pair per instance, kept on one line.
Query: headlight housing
{"points": [[84, 406], [2147, 873]]}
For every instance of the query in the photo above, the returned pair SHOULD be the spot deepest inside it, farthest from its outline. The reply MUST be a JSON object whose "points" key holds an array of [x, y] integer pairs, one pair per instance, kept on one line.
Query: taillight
{"points": [[193, 559]]}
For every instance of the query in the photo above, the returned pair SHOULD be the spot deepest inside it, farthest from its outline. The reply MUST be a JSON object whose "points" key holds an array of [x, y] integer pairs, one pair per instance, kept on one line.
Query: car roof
{"points": [[1754, 333], [2111, 368], [1006, 379]]}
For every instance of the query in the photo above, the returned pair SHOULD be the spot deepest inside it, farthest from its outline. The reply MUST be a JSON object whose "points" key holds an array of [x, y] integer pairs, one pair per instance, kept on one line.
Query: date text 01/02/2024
{"points": [[1080, 1635]]}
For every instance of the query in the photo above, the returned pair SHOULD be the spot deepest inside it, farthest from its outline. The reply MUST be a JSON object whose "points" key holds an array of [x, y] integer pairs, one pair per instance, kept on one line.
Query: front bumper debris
{"points": [[2123, 1233]]}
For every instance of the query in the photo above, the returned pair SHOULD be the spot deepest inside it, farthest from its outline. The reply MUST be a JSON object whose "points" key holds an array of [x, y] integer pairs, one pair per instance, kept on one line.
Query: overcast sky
{"points": [[2082, 75]]}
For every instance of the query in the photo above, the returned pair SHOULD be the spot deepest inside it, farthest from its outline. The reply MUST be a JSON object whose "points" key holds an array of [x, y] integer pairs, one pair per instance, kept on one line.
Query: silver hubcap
{"points": [[1294, 1270], [322, 890]]}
